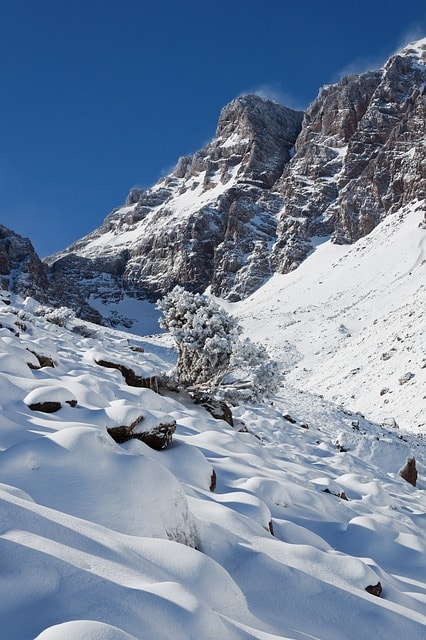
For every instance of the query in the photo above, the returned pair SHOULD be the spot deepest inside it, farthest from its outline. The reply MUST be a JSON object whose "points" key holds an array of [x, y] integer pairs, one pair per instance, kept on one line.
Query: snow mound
{"points": [[84, 630], [270, 529]]}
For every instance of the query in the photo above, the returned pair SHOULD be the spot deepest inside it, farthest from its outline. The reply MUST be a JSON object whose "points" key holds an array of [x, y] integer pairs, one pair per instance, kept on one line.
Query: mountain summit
{"points": [[210, 222]]}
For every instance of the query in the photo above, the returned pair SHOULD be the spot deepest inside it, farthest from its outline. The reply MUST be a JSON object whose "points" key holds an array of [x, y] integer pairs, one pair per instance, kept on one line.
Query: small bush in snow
{"points": [[59, 316], [211, 355]]}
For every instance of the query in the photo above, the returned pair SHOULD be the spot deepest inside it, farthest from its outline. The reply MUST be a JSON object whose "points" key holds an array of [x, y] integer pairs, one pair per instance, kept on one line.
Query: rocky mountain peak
{"points": [[253, 134], [415, 50], [360, 156], [208, 223]]}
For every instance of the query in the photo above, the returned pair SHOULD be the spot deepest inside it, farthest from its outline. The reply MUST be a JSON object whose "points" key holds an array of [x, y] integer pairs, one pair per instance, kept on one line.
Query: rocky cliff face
{"points": [[21, 270], [253, 200], [210, 222], [360, 156]]}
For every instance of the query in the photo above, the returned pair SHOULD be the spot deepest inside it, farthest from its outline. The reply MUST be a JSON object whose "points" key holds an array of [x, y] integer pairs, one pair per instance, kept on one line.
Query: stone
{"points": [[406, 378], [213, 481], [409, 472], [130, 377], [18, 258], [44, 361], [45, 407], [158, 437], [217, 408], [375, 590]]}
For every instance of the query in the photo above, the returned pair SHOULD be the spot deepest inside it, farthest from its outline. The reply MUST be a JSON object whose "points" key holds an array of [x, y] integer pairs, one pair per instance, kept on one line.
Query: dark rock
{"points": [[44, 361], [130, 377], [289, 419], [341, 495], [409, 472], [375, 590], [271, 528], [217, 408], [45, 407], [213, 481], [406, 378], [160, 437], [21, 270]]}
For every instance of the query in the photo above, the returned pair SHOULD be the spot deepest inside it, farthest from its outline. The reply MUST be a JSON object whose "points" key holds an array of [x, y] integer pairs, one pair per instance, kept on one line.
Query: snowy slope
{"points": [[350, 322], [105, 541]]}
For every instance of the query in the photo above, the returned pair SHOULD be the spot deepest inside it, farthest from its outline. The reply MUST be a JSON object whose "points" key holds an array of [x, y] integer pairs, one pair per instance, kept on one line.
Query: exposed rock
{"points": [[359, 157], [341, 494], [131, 378], [45, 407], [409, 472], [220, 236], [406, 377], [21, 270], [375, 590], [44, 361], [217, 408], [158, 437], [213, 481]]}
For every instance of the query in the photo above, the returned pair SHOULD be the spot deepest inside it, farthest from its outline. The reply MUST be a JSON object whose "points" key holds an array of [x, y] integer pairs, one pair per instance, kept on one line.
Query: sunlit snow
{"points": [[107, 541]]}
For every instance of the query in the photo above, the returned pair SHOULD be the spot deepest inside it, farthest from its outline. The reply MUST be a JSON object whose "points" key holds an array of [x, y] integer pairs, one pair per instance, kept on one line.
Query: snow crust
{"points": [[104, 541]]}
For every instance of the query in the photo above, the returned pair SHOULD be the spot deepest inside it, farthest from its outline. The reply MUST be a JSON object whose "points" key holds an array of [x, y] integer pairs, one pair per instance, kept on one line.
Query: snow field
{"points": [[101, 541]]}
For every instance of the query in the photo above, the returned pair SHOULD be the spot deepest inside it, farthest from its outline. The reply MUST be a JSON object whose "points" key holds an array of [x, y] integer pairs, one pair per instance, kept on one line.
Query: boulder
{"points": [[375, 589], [409, 472]]}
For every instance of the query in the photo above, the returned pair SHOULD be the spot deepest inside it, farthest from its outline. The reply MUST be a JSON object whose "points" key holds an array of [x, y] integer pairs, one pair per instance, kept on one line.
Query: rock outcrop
{"points": [[409, 472], [21, 270]]}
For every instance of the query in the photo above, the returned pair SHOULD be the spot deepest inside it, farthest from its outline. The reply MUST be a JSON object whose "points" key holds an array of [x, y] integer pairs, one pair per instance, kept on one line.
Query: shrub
{"points": [[211, 355]]}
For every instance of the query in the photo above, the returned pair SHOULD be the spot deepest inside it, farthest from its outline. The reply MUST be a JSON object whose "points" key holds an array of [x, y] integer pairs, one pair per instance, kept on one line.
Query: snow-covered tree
{"points": [[211, 355], [252, 374], [204, 334]]}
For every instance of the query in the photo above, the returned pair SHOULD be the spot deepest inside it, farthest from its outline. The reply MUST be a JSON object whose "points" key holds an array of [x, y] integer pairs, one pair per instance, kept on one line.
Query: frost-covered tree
{"points": [[252, 374], [211, 355], [204, 333]]}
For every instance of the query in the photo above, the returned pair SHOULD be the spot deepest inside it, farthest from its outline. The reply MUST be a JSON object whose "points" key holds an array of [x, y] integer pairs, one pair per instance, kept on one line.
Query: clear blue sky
{"points": [[97, 96]]}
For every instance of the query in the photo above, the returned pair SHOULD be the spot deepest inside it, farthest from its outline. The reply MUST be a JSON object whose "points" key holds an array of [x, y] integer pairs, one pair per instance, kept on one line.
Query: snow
{"points": [[350, 321], [189, 196], [103, 541]]}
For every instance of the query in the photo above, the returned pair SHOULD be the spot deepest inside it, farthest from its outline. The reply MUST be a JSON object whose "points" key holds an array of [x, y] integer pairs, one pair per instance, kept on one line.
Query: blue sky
{"points": [[97, 96]]}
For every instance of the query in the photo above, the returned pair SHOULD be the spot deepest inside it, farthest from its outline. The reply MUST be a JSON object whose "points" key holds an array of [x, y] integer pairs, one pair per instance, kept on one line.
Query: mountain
{"points": [[209, 222], [252, 202]]}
